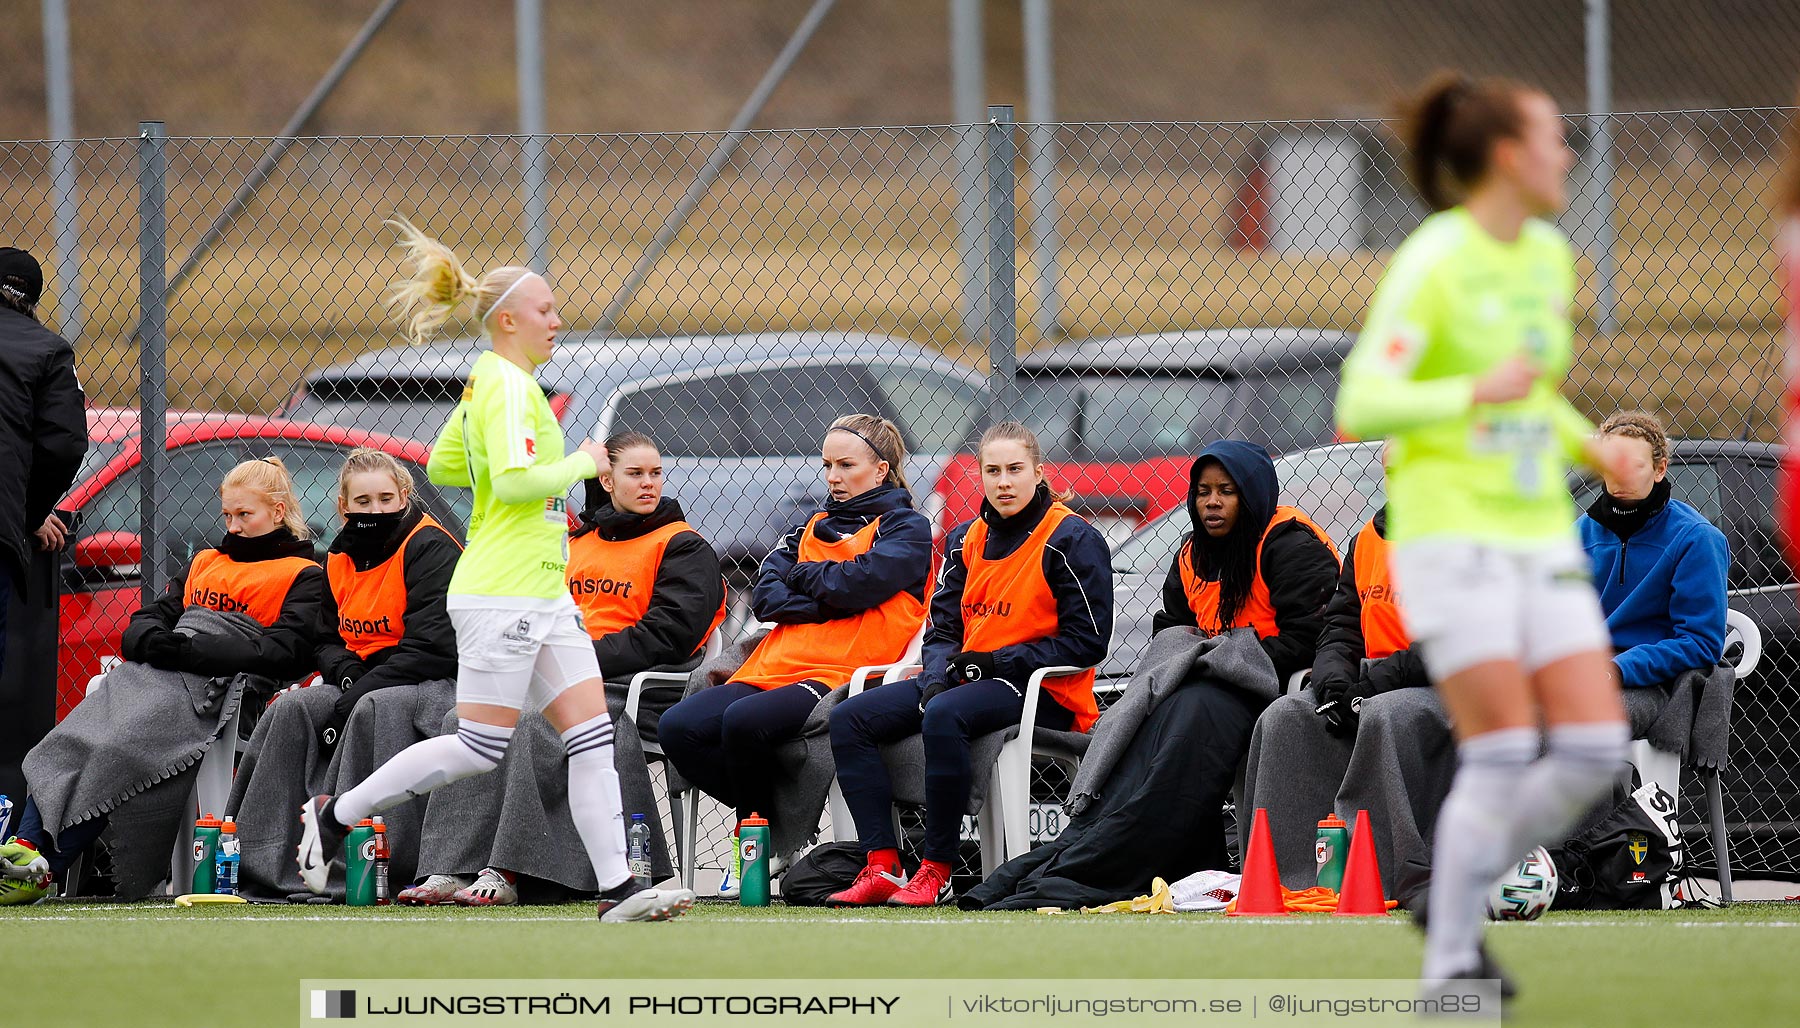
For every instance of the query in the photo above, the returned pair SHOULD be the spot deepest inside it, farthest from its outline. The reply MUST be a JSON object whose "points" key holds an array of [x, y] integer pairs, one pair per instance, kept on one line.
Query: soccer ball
{"points": [[1526, 891]]}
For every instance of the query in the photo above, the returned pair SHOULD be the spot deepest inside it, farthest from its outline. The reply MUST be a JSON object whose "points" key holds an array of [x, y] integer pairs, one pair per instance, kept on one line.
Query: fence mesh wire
{"points": [[1205, 282]]}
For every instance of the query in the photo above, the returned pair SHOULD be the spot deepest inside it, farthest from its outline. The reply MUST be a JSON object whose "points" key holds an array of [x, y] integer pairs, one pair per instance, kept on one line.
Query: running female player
{"points": [[1458, 364], [519, 634]]}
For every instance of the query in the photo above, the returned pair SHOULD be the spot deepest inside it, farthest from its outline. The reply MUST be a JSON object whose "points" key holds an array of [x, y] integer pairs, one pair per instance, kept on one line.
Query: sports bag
{"points": [[1632, 860]]}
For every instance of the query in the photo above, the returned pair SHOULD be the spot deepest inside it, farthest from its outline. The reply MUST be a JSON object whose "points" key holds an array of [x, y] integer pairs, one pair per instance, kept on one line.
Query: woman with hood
{"points": [[651, 594], [846, 588], [1249, 563], [1026, 585]]}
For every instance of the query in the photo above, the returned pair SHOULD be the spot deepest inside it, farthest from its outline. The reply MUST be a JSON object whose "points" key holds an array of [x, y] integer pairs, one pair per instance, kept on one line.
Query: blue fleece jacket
{"points": [[1663, 589]]}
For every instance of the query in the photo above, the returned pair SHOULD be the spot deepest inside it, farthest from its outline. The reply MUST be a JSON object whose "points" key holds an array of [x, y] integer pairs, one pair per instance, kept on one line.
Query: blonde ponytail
{"points": [[437, 284]]}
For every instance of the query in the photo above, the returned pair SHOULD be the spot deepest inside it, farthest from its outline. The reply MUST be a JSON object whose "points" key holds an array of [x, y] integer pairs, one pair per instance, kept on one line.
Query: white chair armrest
{"points": [[885, 672], [1034, 686], [1750, 634], [1297, 681], [635, 693]]}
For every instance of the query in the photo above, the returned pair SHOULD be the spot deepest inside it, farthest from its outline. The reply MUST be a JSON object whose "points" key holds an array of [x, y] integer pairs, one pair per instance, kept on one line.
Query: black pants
{"points": [[951, 720], [723, 739]]}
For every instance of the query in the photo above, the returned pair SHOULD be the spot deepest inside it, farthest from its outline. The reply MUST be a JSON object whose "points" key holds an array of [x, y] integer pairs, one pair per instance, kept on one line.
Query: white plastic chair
{"points": [[678, 800], [1664, 767]]}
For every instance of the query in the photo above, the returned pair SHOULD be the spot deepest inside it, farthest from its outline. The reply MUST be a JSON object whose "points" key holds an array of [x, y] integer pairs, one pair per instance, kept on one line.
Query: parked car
{"points": [[103, 581], [1731, 483], [1120, 419], [740, 416]]}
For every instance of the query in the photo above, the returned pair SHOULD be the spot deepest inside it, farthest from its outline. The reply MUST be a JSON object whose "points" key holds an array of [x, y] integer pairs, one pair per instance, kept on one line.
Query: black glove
{"points": [[971, 666], [1399, 670], [1342, 711], [164, 649], [936, 688]]}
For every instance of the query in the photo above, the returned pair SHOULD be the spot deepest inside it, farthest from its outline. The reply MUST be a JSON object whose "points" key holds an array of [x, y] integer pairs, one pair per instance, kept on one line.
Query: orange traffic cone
{"points": [[1361, 895], [1259, 894]]}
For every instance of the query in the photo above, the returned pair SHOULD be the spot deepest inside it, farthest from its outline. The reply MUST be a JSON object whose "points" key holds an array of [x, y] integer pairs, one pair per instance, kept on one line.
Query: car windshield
{"points": [[96, 457], [1123, 417]]}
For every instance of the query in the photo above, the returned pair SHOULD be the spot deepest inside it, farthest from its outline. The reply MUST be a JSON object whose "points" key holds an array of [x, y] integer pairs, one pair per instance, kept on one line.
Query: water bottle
{"points": [[753, 855], [206, 851], [637, 846], [225, 864], [5, 816], [359, 865], [381, 864], [1331, 849]]}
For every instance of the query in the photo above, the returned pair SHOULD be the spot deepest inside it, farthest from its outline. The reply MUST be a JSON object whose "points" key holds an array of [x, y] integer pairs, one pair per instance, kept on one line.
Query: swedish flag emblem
{"points": [[1638, 844]]}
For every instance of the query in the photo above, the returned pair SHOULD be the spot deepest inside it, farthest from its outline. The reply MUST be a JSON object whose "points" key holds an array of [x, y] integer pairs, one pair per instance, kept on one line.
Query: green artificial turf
{"points": [[152, 963]]}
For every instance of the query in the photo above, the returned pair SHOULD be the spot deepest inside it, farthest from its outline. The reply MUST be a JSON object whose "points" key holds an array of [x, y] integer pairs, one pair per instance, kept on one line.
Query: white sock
{"points": [[1473, 844], [423, 766], [594, 802], [1580, 764]]}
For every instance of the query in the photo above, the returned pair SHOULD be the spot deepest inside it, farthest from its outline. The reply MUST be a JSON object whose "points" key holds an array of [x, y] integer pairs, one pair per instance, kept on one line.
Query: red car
{"points": [[1121, 419], [102, 580]]}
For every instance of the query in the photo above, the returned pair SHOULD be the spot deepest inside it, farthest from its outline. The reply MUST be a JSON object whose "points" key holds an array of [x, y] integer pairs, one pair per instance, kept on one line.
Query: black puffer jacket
{"points": [[43, 430]]}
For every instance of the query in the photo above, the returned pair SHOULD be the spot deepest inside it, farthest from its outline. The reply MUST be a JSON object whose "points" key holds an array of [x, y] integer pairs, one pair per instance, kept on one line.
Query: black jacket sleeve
{"points": [[772, 599], [158, 615], [283, 652], [689, 588], [58, 437], [1339, 659], [944, 631], [1175, 611], [898, 560], [336, 662], [1301, 572], [1078, 567], [427, 648]]}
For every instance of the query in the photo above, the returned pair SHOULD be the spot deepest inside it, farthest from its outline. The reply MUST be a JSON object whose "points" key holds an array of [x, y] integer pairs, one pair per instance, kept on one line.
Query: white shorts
{"points": [[510, 656], [1466, 603]]}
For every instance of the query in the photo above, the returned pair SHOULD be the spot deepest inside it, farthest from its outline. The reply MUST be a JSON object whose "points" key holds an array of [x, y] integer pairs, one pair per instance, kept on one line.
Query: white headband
{"points": [[508, 292]]}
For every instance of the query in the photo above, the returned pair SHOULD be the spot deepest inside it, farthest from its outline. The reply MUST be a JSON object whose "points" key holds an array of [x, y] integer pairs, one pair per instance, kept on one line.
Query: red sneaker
{"points": [[930, 886], [873, 886]]}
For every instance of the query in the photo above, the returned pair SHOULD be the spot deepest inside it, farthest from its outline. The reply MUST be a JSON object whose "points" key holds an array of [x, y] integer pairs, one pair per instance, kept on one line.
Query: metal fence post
{"points": [[1600, 154], [153, 317], [534, 183], [66, 272], [968, 89], [1002, 243], [1040, 100]]}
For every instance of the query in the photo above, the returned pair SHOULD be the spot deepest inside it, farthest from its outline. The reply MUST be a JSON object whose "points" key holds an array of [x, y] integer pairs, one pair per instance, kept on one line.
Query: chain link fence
{"points": [[1174, 284]]}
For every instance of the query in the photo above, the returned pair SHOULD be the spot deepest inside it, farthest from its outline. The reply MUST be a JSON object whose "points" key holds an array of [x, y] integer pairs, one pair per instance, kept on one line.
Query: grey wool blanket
{"points": [[284, 764], [807, 762], [1175, 657], [517, 816], [139, 727]]}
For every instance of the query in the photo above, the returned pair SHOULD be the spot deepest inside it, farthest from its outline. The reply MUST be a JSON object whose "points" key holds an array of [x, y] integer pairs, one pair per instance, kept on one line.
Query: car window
{"points": [[1339, 487], [1757, 559], [1291, 409], [1132, 418], [188, 520], [1049, 406], [936, 412], [406, 420], [789, 409], [1151, 548], [697, 417], [1696, 484]]}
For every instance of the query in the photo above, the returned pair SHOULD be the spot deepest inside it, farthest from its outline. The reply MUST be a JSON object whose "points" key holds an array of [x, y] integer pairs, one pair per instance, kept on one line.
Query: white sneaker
{"points": [[729, 886], [318, 841], [433, 891], [491, 889], [645, 904]]}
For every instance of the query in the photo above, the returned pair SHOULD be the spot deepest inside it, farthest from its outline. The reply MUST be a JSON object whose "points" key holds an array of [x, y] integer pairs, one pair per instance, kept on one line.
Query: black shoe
{"points": [[1488, 968]]}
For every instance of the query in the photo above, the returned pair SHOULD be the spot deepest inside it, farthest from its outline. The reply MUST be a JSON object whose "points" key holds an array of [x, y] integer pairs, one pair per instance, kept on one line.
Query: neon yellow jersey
{"points": [[1454, 303], [503, 442]]}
